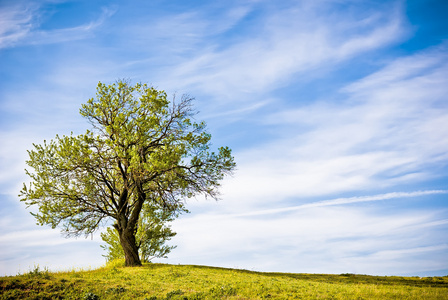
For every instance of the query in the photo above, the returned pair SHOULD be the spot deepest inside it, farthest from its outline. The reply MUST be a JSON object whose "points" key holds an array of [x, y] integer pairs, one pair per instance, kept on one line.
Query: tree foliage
{"points": [[142, 149], [152, 234]]}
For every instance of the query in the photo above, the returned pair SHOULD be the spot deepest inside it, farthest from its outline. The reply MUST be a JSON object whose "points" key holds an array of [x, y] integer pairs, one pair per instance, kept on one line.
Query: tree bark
{"points": [[127, 241]]}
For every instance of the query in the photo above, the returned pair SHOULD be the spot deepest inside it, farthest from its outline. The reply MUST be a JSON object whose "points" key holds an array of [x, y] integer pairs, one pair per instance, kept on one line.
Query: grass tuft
{"points": [[36, 272]]}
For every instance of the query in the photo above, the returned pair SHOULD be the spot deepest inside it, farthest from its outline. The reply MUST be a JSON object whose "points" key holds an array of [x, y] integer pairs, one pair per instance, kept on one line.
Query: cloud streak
{"points": [[297, 40], [342, 201], [15, 24], [385, 131], [334, 238], [20, 24]]}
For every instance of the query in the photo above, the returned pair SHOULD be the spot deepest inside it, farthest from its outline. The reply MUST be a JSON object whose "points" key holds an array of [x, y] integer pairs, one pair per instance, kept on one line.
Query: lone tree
{"points": [[142, 150]]}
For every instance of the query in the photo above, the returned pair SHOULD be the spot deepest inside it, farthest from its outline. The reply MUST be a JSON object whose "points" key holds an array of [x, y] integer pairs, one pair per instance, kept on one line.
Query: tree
{"points": [[152, 233], [142, 149]]}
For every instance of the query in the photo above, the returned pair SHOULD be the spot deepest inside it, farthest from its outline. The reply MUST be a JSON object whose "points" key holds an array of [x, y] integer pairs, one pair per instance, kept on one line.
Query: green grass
{"points": [[161, 281]]}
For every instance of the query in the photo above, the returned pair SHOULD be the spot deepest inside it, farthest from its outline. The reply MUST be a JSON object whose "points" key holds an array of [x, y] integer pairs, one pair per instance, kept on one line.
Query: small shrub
{"points": [[197, 296], [91, 296], [116, 290], [118, 262], [37, 272], [222, 291], [174, 294]]}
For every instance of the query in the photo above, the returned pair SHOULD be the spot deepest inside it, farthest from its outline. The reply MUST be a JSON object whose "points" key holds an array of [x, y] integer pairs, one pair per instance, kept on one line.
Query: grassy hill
{"points": [[161, 281]]}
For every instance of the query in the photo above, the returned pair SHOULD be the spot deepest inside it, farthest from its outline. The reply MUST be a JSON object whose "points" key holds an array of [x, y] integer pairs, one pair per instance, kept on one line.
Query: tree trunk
{"points": [[127, 240]]}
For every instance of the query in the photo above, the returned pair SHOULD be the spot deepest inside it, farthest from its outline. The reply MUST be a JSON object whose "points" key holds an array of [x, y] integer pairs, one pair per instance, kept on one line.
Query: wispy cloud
{"points": [[19, 25], [334, 238], [342, 201], [287, 42], [83, 31], [15, 24], [385, 130]]}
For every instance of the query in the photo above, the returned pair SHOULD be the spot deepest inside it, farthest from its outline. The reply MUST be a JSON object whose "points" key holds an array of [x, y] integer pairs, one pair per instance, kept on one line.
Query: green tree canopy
{"points": [[141, 149]]}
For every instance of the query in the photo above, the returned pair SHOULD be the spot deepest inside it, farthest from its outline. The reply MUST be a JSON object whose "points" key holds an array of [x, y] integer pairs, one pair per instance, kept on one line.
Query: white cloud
{"points": [[336, 239], [389, 131], [15, 24], [286, 42], [341, 201], [19, 25], [195, 26], [80, 32]]}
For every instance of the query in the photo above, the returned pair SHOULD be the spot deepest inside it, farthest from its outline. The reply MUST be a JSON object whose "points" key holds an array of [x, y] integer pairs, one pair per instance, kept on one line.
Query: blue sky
{"points": [[337, 113]]}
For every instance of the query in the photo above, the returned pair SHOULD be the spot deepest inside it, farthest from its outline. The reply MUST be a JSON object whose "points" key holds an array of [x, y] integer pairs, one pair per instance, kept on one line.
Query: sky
{"points": [[336, 112]]}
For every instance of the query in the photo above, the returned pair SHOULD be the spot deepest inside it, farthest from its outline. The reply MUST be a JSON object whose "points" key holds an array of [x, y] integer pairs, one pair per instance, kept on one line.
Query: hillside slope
{"points": [[161, 281]]}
